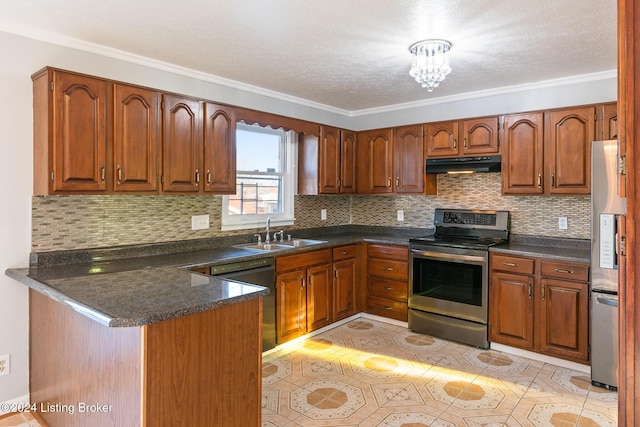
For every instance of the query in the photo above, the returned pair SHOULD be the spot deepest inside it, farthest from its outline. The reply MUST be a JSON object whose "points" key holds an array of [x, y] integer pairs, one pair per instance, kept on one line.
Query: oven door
{"points": [[449, 281]]}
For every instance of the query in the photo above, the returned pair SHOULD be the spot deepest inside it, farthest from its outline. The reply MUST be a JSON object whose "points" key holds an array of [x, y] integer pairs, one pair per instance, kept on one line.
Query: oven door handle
{"points": [[449, 257]]}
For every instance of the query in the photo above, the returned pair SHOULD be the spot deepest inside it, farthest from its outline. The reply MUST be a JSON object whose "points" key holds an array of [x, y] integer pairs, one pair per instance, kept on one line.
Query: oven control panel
{"points": [[469, 218]]}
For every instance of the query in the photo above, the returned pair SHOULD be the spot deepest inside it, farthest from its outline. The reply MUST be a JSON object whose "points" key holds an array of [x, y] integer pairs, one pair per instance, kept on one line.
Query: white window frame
{"points": [[289, 185]]}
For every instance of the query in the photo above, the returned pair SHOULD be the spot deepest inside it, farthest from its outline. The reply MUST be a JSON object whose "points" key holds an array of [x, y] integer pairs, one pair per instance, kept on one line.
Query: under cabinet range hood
{"points": [[465, 164]]}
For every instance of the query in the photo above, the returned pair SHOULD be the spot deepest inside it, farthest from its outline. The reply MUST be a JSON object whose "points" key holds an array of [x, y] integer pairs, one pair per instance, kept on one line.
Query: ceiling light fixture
{"points": [[430, 62]]}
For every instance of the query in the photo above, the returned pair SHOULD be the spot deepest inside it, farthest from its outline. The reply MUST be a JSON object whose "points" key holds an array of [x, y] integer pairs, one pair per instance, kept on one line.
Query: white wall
{"points": [[23, 56]]}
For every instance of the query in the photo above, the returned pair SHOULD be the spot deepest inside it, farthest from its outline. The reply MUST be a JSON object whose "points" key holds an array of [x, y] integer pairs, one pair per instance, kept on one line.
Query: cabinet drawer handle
{"points": [[387, 288], [511, 264], [397, 181], [543, 291], [455, 143], [103, 173], [539, 180], [344, 252], [208, 177], [338, 182], [529, 290], [465, 142], [197, 177], [302, 286], [386, 252], [119, 174], [389, 182], [553, 181], [562, 270], [387, 268], [386, 307]]}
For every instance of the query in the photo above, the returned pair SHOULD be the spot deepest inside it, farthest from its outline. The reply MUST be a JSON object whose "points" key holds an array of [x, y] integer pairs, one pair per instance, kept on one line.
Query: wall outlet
{"points": [[200, 222], [562, 223], [400, 215], [323, 214], [5, 365]]}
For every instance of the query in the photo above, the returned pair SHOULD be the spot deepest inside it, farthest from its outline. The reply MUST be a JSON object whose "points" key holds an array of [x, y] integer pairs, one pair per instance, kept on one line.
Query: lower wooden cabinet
{"points": [[304, 294], [345, 281], [387, 280], [540, 305]]}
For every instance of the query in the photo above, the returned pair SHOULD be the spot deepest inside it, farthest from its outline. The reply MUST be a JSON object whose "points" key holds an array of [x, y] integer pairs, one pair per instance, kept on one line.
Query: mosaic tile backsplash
{"points": [[81, 222]]}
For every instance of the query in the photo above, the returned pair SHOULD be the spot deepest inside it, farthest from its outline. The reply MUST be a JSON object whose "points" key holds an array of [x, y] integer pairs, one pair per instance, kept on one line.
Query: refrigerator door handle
{"points": [[607, 301]]}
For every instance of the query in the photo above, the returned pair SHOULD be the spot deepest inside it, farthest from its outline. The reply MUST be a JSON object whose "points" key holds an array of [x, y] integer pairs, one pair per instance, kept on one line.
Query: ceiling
{"points": [[349, 55]]}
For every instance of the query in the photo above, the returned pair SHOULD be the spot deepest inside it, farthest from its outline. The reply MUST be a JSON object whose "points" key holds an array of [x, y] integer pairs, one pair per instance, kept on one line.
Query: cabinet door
{"points": [[181, 144], [344, 289], [441, 139], [522, 167], [511, 310], [329, 160], [219, 149], [564, 321], [348, 162], [568, 138], [319, 304], [480, 136], [291, 311], [380, 161], [408, 158], [79, 133], [607, 123], [135, 139]]}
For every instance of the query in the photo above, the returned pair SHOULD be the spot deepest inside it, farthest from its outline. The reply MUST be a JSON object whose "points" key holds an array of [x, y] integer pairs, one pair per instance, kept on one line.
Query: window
{"points": [[265, 178]]}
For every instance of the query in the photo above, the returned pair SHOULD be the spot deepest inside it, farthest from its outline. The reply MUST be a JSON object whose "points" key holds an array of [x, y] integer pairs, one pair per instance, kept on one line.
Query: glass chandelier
{"points": [[430, 62]]}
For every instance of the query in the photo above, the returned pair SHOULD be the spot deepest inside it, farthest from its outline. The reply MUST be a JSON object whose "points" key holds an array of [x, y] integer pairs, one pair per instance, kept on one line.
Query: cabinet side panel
{"points": [[205, 369], [41, 136], [75, 360]]}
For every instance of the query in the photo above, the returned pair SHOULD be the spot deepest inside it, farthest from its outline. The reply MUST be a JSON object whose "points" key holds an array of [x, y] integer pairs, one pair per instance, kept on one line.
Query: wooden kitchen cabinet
{"points": [[607, 121], [136, 138], [461, 138], [345, 281], [327, 164], [70, 133], [219, 149], [387, 280], [568, 137], [391, 161], [540, 305], [303, 293], [548, 153]]}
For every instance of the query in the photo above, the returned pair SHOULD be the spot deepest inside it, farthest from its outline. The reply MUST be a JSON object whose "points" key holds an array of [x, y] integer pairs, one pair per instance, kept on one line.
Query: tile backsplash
{"points": [[81, 222]]}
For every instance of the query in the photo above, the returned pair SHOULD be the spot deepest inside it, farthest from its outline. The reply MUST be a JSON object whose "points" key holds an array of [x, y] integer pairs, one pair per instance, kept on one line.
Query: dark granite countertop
{"points": [[574, 250], [155, 283]]}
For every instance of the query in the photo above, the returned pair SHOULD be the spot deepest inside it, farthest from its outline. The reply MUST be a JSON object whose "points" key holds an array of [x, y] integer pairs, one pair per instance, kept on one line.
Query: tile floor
{"points": [[370, 373]]}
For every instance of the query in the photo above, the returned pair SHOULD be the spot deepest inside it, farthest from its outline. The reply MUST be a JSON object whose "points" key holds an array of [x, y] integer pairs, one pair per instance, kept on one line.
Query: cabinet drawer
{"points": [[512, 264], [400, 253], [387, 289], [387, 308], [565, 270], [397, 270], [292, 262], [344, 252]]}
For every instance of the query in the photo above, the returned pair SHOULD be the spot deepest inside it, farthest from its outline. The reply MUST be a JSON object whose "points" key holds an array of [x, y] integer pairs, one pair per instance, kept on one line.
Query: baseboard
{"points": [[14, 404], [542, 358]]}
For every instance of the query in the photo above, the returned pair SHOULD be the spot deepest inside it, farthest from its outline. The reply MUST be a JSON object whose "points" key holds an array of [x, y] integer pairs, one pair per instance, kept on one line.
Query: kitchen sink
{"points": [[299, 243], [265, 246]]}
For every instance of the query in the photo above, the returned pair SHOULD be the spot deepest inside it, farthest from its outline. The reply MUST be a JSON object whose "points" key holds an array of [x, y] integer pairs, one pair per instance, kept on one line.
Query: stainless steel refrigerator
{"points": [[606, 207]]}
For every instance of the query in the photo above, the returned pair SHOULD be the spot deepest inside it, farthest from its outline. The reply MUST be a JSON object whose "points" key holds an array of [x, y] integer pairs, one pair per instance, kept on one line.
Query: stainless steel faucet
{"points": [[267, 239]]}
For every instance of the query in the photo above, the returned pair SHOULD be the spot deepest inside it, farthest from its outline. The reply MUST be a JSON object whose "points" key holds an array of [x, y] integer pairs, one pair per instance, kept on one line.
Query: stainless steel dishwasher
{"points": [[256, 272]]}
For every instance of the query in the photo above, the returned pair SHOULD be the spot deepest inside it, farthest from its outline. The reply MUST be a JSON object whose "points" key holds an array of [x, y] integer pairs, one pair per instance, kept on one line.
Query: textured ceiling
{"points": [[351, 54]]}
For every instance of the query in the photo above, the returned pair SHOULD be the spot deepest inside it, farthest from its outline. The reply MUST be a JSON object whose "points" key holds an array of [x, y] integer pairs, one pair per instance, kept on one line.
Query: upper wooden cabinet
{"points": [[181, 144], [548, 153], [327, 164], [568, 137], [70, 133], [607, 121], [135, 138], [219, 149], [197, 156], [392, 161], [462, 138]]}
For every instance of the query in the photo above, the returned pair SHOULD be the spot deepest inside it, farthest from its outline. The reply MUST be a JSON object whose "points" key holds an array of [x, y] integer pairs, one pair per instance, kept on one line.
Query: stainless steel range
{"points": [[449, 274]]}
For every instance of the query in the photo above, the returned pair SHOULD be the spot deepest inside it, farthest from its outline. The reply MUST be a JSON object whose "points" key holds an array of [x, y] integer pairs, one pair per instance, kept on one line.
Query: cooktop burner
{"points": [[460, 228]]}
